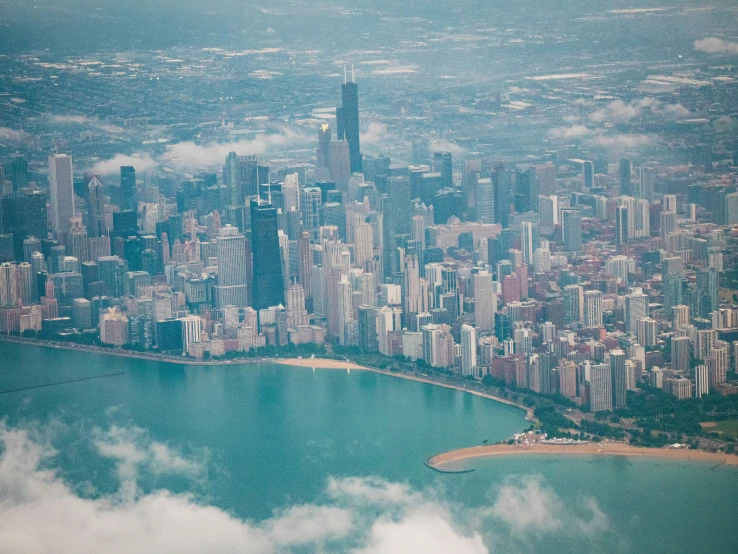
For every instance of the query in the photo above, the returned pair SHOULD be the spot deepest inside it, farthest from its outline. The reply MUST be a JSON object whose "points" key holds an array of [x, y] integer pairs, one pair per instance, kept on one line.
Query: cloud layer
{"points": [[142, 163], [39, 512], [618, 111], [713, 45]]}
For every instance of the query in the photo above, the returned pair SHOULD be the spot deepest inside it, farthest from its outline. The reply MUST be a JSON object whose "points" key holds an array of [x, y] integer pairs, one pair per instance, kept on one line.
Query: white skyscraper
{"points": [[636, 307], [468, 350], [485, 301], [61, 191], [593, 308], [231, 287], [527, 244]]}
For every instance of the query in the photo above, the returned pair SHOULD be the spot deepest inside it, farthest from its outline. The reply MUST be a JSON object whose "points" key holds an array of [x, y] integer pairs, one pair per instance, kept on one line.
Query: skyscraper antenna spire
{"points": [[352, 73], [344, 74]]}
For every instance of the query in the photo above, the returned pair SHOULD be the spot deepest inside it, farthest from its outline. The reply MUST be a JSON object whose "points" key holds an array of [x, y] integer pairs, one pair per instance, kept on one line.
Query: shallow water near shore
{"points": [[256, 439]]}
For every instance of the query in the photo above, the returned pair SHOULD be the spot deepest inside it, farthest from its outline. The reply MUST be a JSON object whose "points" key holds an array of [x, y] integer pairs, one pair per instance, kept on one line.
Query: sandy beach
{"points": [[605, 448], [339, 364]]}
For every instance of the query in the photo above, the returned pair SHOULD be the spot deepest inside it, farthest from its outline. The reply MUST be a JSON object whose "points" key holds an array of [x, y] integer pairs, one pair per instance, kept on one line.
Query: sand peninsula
{"points": [[340, 364], [604, 448]]}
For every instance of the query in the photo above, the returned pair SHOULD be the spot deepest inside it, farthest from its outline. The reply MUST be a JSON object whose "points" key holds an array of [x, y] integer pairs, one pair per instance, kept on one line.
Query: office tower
{"points": [[671, 269], [640, 219], [324, 140], [573, 303], [572, 230], [621, 225], [19, 172], [625, 177], [339, 164], [485, 301], [95, 208], [593, 308], [485, 200], [731, 208], [8, 286], [468, 350], [680, 353], [268, 287], [231, 283], [61, 192], [542, 260], [646, 182], [548, 210], [7, 250], [30, 245], [526, 189], [647, 331], [347, 121], [310, 204], [636, 307], [619, 378], [668, 223], [502, 185], [588, 173], [128, 193], [77, 241], [470, 171], [443, 164], [527, 241], [421, 151], [600, 388], [363, 241], [413, 302], [388, 320]]}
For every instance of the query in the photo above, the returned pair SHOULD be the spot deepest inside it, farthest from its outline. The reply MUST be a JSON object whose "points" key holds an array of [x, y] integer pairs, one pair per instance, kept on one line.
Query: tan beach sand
{"points": [[605, 448]]}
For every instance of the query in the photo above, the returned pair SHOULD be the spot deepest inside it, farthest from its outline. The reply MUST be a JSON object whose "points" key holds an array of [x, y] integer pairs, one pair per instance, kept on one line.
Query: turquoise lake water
{"points": [[255, 440]]}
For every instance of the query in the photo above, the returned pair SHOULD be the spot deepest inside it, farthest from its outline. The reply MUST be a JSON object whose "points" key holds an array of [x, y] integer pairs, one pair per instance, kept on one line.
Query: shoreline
{"points": [[604, 448], [324, 363]]}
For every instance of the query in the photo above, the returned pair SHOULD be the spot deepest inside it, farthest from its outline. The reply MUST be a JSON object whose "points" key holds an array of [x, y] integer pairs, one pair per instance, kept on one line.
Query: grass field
{"points": [[728, 428]]}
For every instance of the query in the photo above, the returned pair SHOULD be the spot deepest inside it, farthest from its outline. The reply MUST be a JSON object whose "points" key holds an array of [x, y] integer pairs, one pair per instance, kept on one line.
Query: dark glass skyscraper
{"points": [[347, 123], [128, 198], [268, 286], [502, 192]]}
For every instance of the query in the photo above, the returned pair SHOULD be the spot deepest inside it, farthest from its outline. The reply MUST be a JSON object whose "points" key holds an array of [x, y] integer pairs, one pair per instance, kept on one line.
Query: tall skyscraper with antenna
{"points": [[347, 120]]}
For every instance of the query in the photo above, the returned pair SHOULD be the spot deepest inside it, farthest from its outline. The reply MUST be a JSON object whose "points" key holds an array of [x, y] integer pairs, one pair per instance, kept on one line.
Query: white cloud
{"points": [[39, 512], [73, 119], [574, 131], [142, 163], [375, 133], [14, 135], [713, 45], [624, 141], [618, 111], [447, 146], [419, 532], [191, 156], [133, 449], [527, 506]]}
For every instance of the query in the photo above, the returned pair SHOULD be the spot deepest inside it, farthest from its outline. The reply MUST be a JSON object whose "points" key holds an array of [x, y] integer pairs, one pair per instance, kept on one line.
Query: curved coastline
{"points": [[323, 363], [604, 448]]}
